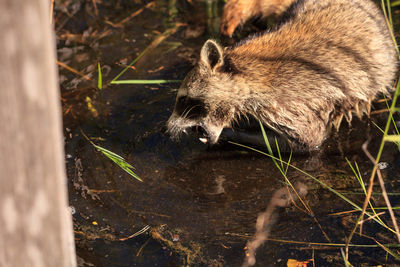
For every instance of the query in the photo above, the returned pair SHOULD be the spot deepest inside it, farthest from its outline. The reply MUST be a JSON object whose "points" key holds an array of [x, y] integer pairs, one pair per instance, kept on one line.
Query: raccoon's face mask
{"points": [[197, 105]]}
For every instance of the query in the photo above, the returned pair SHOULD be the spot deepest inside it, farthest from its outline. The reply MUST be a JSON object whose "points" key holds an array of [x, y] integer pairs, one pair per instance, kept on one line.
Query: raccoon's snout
{"points": [[176, 125], [190, 114], [207, 132]]}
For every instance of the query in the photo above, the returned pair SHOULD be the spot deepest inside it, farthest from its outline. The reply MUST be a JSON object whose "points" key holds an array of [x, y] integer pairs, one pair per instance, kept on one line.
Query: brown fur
{"points": [[237, 12], [328, 60]]}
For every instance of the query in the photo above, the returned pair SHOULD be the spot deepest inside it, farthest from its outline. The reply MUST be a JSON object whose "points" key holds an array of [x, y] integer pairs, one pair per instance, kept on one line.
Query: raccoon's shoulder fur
{"points": [[327, 60]]}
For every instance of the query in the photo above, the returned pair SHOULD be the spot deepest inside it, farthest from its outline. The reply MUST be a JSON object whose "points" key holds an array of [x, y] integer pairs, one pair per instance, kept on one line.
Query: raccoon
{"points": [[326, 61]]}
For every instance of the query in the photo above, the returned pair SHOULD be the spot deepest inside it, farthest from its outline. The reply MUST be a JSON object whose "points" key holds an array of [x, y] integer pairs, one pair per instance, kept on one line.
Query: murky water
{"points": [[196, 205]]}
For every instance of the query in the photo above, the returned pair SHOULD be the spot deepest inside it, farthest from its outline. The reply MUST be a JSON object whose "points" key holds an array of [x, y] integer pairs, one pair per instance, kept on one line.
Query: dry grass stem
{"points": [[384, 193], [96, 11], [372, 217], [134, 14], [379, 111], [59, 63]]}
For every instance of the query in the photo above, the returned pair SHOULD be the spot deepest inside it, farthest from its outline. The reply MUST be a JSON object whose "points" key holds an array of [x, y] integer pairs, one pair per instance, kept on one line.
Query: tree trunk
{"points": [[35, 225]]}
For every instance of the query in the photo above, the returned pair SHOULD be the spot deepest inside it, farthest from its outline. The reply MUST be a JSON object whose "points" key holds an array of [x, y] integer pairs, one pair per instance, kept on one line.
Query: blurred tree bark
{"points": [[35, 224]]}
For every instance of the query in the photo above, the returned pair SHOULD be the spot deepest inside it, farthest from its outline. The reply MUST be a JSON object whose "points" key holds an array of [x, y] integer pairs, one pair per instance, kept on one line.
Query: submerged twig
{"points": [[142, 247], [59, 63], [141, 231]]}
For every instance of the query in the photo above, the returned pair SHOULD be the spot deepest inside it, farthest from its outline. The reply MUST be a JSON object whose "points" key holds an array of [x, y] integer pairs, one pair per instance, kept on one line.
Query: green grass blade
{"points": [[279, 152], [268, 145], [392, 138], [346, 262], [105, 151], [320, 182], [121, 163], [117, 159], [130, 65], [389, 12], [357, 174], [289, 160], [389, 23], [99, 78], [386, 248], [157, 40], [379, 128], [374, 194], [393, 110], [265, 139], [385, 208], [281, 167], [144, 81]]}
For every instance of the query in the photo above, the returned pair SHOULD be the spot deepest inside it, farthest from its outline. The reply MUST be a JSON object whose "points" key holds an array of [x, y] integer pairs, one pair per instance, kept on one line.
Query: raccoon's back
{"points": [[348, 40], [329, 59], [350, 37]]}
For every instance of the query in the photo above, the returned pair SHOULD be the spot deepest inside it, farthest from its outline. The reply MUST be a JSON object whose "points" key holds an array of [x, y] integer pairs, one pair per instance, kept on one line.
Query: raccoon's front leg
{"points": [[237, 12], [256, 139]]}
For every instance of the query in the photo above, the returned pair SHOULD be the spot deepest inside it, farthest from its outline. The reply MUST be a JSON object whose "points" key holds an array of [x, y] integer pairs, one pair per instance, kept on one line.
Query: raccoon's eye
{"points": [[182, 99]]}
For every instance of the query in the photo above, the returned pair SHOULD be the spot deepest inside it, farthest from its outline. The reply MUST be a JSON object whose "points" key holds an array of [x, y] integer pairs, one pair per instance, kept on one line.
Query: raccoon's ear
{"points": [[212, 55]]}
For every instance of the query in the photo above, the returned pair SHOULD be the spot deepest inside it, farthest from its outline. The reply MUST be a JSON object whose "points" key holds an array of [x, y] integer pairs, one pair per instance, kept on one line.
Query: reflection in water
{"points": [[281, 199]]}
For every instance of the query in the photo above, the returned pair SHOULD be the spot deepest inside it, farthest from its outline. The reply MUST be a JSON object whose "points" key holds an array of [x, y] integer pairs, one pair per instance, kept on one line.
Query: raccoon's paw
{"points": [[236, 12], [230, 19]]}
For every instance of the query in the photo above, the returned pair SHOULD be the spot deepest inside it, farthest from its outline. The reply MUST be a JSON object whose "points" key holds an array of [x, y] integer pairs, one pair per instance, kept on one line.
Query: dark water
{"points": [[197, 205]]}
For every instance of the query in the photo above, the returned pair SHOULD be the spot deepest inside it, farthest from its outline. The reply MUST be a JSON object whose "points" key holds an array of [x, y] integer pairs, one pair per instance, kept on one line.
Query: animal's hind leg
{"points": [[237, 12]]}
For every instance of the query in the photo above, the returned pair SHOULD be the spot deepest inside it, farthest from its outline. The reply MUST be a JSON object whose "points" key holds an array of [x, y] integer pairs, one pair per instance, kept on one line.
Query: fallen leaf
{"points": [[296, 263]]}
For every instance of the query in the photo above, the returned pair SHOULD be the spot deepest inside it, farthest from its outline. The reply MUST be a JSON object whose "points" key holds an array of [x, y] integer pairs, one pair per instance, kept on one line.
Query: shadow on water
{"points": [[201, 203]]}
